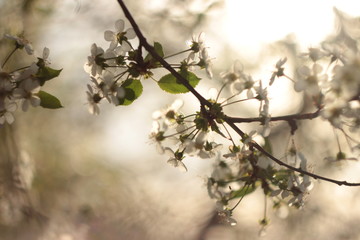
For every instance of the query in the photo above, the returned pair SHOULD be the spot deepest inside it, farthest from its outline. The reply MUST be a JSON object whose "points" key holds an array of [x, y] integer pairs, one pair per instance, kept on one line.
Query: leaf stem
{"points": [[8, 57], [175, 54]]}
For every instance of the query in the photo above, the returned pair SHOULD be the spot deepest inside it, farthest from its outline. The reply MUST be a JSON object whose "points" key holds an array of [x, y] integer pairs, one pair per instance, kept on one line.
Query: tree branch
{"points": [[299, 170], [290, 117], [229, 120], [153, 53]]}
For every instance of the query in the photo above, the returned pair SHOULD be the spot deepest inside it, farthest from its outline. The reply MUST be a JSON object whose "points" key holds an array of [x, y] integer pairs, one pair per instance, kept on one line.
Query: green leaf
{"points": [[49, 101], [171, 84], [149, 59], [133, 89], [46, 73], [243, 191], [158, 49]]}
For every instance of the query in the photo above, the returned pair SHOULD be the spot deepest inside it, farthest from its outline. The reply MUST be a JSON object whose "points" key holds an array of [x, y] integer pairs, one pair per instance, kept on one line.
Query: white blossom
{"points": [[93, 100], [27, 93], [197, 44], [196, 146], [93, 65], [120, 36], [205, 62], [157, 136], [225, 215], [28, 73], [314, 54], [279, 70], [174, 159], [22, 43], [310, 79], [234, 76], [170, 114], [346, 80]]}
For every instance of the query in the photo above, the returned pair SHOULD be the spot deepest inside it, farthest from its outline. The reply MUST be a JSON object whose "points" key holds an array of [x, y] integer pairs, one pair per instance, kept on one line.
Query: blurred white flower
{"points": [[310, 79], [205, 62], [197, 44], [333, 111], [170, 114], [6, 85], [6, 111], [45, 57], [279, 70], [196, 147], [27, 93], [21, 43], [346, 80], [234, 76], [157, 136], [109, 88], [93, 101], [175, 159], [225, 216], [94, 64], [29, 73], [314, 54], [119, 36]]}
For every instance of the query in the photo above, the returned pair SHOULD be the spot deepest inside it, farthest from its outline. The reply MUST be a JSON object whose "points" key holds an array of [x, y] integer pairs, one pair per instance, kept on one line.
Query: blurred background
{"points": [[99, 177]]}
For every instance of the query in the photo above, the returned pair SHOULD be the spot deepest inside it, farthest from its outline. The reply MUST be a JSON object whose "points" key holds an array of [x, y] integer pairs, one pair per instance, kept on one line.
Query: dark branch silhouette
{"points": [[292, 117]]}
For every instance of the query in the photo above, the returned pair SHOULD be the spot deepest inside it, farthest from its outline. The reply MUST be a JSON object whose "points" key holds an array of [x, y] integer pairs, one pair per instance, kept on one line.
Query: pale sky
{"points": [[248, 24]]}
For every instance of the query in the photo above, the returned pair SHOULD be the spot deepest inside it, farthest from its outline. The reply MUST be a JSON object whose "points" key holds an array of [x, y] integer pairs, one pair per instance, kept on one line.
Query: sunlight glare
{"points": [[250, 24]]}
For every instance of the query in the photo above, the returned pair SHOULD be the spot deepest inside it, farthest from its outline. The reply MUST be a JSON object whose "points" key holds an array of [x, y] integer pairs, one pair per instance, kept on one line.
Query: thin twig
{"points": [[299, 170], [305, 116]]}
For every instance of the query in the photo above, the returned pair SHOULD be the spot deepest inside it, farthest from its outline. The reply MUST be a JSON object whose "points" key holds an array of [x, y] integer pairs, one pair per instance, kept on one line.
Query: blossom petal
{"points": [[305, 71], [120, 92], [29, 49], [130, 33], [25, 105], [119, 25], [238, 67], [280, 62], [11, 107], [299, 86], [9, 117], [46, 53], [177, 104], [169, 152], [93, 49], [109, 35], [125, 46], [317, 68], [18, 93], [250, 94], [35, 101]]}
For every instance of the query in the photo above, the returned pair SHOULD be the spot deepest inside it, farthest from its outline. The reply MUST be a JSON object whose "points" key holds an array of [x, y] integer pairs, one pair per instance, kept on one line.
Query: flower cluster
{"points": [[116, 73], [239, 169], [199, 51], [179, 135], [238, 81], [241, 164], [335, 87], [342, 100], [22, 87]]}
